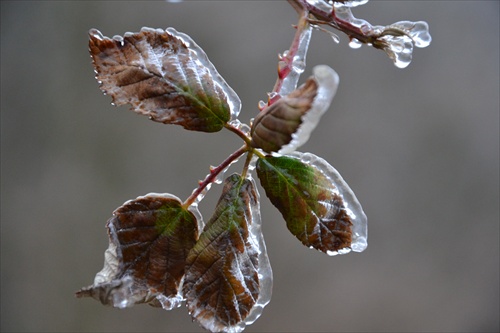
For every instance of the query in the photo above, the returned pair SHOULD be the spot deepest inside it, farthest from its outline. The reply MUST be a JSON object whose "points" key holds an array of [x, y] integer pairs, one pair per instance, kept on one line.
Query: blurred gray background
{"points": [[419, 146]]}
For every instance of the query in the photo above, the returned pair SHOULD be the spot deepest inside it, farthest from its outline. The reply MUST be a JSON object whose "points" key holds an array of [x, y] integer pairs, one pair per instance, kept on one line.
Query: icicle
{"points": [[298, 63]]}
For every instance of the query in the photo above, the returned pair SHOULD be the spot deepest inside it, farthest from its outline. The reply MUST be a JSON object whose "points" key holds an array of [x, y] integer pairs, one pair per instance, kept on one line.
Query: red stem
{"points": [[214, 172]]}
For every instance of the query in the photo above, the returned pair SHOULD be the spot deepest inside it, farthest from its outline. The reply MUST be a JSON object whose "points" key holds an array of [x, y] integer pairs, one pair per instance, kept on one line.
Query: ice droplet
{"points": [[399, 49], [355, 44], [420, 34], [298, 65]]}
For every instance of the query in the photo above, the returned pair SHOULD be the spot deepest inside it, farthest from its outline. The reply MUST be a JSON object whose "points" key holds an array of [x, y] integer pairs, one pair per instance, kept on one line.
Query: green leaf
{"points": [[164, 75], [311, 195], [149, 240], [228, 276]]}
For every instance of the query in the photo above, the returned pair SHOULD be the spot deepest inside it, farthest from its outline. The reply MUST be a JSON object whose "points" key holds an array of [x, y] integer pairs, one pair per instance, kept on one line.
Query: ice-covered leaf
{"points": [[287, 123], [318, 206], [149, 239], [228, 277], [163, 74], [273, 127]]}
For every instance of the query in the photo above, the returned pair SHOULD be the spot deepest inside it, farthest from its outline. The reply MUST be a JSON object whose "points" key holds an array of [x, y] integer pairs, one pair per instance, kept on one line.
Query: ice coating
{"points": [[193, 208], [122, 291], [328, 81], [320, 4], [399, 49], [298, 63], [251, 166], [233, 240], [241, 126], [351, 203], [344, 13], [169, 303], [353, 3], [264, 271], [232, 98], [417, 31], [202, 194], [110, 268]]}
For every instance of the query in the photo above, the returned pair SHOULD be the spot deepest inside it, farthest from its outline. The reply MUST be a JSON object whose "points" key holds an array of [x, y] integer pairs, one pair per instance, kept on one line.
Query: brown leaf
{"points": [[164, 75], [222, 285], [150, 238], [274, 126]]}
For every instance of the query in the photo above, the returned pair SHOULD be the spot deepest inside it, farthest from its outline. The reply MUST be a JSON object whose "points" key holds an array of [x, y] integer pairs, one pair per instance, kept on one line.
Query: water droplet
{"points": [[298, 65], [355, 44], [262, 105], [335, 38]]}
